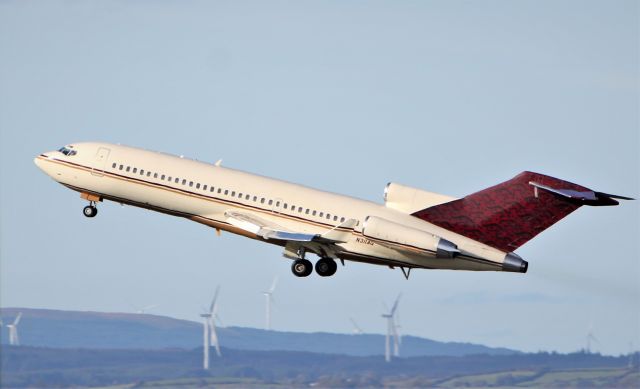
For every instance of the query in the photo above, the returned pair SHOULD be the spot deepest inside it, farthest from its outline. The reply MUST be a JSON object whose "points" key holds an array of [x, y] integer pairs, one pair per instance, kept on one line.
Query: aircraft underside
{"points": [[325, 266]]}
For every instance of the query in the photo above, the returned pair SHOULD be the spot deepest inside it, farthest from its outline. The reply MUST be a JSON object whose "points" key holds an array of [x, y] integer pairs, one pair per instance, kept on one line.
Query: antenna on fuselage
{"points": [[218, 162]]}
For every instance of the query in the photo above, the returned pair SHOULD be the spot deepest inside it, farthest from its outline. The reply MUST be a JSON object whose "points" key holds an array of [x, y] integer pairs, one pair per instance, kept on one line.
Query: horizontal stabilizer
{"points": [[588, 197]]}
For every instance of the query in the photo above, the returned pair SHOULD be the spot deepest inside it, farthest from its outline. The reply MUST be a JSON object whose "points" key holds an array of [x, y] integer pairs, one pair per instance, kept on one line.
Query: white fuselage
{"points": [[204, 193]]}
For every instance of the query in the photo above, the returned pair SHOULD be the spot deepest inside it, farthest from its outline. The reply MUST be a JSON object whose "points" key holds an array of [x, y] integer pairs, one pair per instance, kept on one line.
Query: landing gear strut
{"points": [[326, 267], [301, 267], [90, 210]]}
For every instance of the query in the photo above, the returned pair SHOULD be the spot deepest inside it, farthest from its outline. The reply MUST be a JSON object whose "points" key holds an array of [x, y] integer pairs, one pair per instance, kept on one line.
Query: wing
{"points": [[269, 230]]}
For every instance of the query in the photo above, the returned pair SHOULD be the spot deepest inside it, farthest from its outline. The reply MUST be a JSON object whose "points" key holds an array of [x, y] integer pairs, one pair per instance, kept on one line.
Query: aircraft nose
{"points": [[38, 160]]}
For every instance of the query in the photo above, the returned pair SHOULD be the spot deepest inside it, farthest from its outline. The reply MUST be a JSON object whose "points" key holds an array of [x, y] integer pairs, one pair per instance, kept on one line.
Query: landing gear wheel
{"points": [[90, 211], [301, 267], [326, 267]]}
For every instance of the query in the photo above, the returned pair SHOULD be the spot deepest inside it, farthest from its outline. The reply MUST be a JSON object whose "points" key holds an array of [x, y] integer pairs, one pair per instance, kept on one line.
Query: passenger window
{"points": [[328, 216], [155, 175], [184, 181], [247, 197], [277, 203], [335, 218], [128, 168], [121, 167], [141, 172], [233, 194], [148, 174], [341, 220], [198, 186], [190, 183], [270, 202], [177, 180], [211, 189], [255, 198], [299, 209], [114, 165], [307, 211], [262, 200], [219, 190], [169, 178], [162, 177], [284, 206], [135, 169], [226, 192], [321, 214], [314, 213]]}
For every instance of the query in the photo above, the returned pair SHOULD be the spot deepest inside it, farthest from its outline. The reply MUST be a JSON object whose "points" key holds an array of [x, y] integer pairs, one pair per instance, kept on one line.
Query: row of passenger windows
{"points": [[210, 188]]}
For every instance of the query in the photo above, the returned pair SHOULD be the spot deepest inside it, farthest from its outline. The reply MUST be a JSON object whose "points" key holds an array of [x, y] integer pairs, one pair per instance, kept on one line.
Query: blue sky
{"points": [[448, 96]]}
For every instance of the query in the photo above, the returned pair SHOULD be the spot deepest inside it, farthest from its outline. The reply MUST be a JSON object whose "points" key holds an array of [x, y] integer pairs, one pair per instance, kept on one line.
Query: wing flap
{"points": [[269, 230]]}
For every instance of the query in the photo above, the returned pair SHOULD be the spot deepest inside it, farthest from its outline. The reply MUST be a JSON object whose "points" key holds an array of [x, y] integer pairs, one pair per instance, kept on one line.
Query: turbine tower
{"points": [[391, 332], [210, 337], [14, 340], [269, 299]]}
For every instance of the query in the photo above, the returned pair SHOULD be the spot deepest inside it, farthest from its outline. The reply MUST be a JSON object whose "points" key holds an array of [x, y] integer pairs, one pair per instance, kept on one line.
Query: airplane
{"points": [[414, 228]]}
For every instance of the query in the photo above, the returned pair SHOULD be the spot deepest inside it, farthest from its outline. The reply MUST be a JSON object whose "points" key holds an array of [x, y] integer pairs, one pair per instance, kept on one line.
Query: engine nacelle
{"points": [[409, 200], [383, 229]]}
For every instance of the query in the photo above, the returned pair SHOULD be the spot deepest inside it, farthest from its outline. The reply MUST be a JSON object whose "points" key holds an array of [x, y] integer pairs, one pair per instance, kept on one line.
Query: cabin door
{"points": [[100, 162]]}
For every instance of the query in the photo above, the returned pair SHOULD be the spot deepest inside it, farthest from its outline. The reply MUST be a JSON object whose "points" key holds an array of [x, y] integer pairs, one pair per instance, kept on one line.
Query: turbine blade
{"points": [[213, 302], [15, 322], [395, 304], [273, 285], [358, 330], [216, 317]]}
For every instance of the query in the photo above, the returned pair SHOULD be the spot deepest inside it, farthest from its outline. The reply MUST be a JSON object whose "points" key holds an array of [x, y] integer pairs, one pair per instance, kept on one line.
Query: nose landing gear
{"points": [[90, 210]]}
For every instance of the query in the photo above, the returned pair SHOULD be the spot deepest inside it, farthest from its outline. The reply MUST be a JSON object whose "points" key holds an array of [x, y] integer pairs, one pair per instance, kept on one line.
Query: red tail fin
{"points": [[508, 215]]}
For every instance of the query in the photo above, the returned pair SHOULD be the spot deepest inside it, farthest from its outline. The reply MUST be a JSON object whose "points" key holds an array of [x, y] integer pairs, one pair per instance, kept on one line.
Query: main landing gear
{"points": [[90, 210], [325, 267]]}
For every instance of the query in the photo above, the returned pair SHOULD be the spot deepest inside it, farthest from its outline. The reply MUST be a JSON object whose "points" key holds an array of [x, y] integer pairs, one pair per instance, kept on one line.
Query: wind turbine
{"points": [[356, 329], [269, 299], [391, 332], [14, 340], [210, 338], [144, 310], [590, 337]]}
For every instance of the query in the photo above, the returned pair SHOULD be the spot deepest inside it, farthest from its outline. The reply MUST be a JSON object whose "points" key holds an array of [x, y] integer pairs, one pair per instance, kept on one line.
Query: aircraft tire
{"points": [[301, 267], [90, 211], [326, 267]]}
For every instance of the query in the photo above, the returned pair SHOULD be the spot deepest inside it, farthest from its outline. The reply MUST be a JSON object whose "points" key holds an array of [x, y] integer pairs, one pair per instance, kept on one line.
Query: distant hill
{"points": [[99, 330], [48, 368]]}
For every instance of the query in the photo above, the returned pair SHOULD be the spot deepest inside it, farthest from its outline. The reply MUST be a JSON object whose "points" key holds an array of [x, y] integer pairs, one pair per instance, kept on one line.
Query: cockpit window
{"points": [[67, 151]]}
